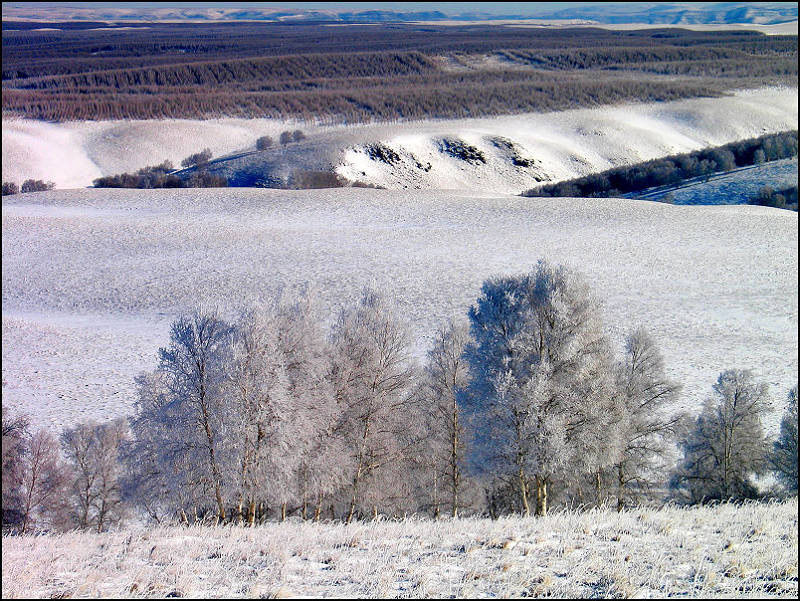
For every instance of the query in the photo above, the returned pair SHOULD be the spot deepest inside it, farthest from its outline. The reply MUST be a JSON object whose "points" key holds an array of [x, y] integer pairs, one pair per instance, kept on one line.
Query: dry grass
{"points": [[747, 551]]}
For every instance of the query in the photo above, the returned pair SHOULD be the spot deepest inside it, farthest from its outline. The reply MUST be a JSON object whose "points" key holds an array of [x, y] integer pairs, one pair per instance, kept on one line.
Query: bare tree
{"points": [[650, 426], [92, 452], [372, 375], [727, 445], [15, 446], [541, 400], [784, 451], [446, 376], [196, 410], [43, 484]]}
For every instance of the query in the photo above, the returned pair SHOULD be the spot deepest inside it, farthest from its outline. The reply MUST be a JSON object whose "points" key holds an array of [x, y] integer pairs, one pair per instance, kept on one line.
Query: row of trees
{"points": [[675, 168], [523, 407], [29, 185]]}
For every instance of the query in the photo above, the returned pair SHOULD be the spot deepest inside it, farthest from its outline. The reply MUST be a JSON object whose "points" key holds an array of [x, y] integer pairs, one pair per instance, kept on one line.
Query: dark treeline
{"points": [[675, 168], [384, 72], [524, 406]]}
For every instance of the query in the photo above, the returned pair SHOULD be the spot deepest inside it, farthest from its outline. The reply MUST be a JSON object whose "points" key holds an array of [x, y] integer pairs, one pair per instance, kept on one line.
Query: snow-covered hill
{"points": [[92, 278], [503, 154]]}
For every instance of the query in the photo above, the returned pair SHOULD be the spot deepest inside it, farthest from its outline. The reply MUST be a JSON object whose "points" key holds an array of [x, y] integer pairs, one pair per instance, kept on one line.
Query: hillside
{"points": [[92, 278], [517, 152]]}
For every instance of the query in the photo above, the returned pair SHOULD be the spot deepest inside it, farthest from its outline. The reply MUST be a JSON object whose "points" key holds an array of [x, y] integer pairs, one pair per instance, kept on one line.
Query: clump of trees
{"points": [[29, 185], [10, 188], [161, 176], [784, 198], [198, 159], [522, 407], [287, 137], [675, 168]]}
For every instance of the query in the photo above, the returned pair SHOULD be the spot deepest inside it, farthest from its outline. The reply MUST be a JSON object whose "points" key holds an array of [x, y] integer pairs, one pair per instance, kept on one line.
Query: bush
{"points": [[10, 188], [263, 143], [297, 135], [286, 137], [198, 159], [36, 185]]}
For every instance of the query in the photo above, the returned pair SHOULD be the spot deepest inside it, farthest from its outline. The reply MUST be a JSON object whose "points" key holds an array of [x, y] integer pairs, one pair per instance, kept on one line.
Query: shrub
{"points": [[198, 159], [10, 188], [297, 135], [263, 143], [286, 137]]}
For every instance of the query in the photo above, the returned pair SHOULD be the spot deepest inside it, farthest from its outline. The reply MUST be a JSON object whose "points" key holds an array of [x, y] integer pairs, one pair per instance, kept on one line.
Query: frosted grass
{"points": [[724, 551]]}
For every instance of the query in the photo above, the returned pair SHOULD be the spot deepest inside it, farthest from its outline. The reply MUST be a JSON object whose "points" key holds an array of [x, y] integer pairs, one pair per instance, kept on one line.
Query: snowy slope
{"points": [[92, 278], [519, 150]]}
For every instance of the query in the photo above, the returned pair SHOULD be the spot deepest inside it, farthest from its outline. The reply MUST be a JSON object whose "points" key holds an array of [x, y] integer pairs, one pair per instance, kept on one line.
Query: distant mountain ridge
{"points": [[653, 13]]}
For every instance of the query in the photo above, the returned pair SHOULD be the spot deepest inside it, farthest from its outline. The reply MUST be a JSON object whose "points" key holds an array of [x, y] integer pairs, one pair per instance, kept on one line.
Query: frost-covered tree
{"points": [[283, 405], [43, 484], [542, 399], [372, 374], [15, 445], [726, 446], [446, 375], [181, 427], [783, 459], [650, 425], [92, 453]]}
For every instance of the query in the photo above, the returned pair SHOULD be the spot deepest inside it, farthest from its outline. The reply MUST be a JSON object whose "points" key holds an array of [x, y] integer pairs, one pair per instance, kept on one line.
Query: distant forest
{"points": [[374, 72]]}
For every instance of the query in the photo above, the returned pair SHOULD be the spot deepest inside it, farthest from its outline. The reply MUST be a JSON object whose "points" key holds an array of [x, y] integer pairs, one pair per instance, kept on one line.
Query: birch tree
{"points": [[726, 446], [181, 450], [43, 484], [783, 459], [650, 425], [92, 453], [446, 375], [372, 374], [541, 399]]}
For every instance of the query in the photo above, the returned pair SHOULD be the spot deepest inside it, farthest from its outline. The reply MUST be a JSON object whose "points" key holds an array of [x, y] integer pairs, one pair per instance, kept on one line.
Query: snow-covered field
{"points": [[723, 551], [92, 278], [559, 145]]}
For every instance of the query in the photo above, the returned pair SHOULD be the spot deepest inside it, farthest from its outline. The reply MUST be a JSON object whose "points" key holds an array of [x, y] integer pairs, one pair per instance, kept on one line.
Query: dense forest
{"points": [[381, 72]]}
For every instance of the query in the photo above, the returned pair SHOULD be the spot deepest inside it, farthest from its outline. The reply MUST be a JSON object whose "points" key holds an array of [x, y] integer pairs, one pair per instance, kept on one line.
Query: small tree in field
{"points": [[784, 452], [727, 445], [15, 446], [264, 142]]}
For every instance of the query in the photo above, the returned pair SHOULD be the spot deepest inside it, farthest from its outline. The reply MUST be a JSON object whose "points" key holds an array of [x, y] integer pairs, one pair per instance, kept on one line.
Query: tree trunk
{"points": [[523, 489], [541, 496], [283, 512]]}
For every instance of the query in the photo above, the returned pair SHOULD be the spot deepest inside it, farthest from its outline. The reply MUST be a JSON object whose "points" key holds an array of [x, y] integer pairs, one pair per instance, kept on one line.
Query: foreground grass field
{"points": [[723, 551]]}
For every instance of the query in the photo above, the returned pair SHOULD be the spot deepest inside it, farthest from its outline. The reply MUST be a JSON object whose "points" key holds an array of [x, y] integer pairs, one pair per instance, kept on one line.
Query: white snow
{"points": [[562, 145], [92, 278]]}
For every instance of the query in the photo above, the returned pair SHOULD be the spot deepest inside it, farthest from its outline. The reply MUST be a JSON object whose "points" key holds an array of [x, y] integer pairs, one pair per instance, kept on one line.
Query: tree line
{"points": [[522, 407], [675, 168], [385, 73]]}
